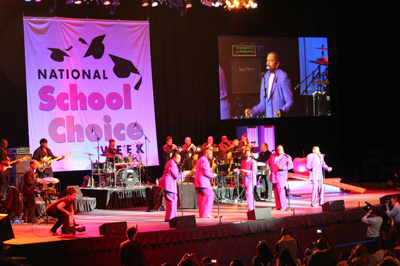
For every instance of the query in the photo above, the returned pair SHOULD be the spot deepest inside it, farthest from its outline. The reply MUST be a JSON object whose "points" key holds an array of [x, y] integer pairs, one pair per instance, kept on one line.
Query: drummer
{"points": [[111, 151]]}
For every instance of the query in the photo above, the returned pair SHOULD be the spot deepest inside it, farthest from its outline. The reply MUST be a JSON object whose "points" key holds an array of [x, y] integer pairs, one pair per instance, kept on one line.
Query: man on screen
{"points": [[276, 96]]}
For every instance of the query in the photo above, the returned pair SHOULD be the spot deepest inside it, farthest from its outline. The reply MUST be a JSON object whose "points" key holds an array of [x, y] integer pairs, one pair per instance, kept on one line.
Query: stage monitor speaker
{"points": [[388, 197], [183, 222], [333, 206], [6, 231], [246, 75], [259, 214], [112, 229], [20, 167]]}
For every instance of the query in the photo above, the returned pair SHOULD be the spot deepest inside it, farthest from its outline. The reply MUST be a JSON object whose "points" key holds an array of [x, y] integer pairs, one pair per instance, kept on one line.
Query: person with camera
{"points": [[374, 222], [394, 213], [324, 254]]}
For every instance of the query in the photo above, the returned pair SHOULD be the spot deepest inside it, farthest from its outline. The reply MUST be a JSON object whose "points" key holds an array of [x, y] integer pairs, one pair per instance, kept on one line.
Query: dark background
{"points": [[360, 139]]}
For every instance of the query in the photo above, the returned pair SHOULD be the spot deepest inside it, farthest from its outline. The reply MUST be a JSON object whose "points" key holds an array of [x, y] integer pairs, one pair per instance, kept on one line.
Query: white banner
{"points": [[88, 78]]}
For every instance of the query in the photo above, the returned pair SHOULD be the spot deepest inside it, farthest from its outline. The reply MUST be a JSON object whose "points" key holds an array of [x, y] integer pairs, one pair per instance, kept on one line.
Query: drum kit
{"points": [[320, 86], [117, 170]]}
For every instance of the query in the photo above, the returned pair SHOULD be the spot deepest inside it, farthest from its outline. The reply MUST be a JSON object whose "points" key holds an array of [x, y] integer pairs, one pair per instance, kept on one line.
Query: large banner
{"points": [[89, 81]]}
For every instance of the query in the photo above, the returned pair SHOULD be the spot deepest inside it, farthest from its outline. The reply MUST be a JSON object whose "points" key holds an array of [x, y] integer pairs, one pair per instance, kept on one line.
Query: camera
{"points": [[368, 206]]}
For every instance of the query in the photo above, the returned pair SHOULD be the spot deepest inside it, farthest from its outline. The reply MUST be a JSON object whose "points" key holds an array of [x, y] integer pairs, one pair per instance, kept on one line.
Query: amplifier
{"points": [[19, 150]]}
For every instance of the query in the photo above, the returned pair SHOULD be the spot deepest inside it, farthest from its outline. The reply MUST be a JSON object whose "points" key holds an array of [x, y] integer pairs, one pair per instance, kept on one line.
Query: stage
{"points": [[225, 238]]}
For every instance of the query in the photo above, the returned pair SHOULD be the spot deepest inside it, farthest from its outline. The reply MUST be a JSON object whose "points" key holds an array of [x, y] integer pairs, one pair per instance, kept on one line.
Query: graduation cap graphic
{"points": [[96, 47], [58, 54], [123, 69]]}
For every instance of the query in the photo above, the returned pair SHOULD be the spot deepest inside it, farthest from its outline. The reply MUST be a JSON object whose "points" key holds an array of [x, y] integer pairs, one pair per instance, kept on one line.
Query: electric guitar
{"points": [[5, 167], [47, 162]]}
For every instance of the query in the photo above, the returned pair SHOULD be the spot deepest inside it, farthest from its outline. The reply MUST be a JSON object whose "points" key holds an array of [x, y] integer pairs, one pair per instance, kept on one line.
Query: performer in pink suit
{"points": [[280, 163], [249, 170], [202, 183], [168, 182], [315, 163]]}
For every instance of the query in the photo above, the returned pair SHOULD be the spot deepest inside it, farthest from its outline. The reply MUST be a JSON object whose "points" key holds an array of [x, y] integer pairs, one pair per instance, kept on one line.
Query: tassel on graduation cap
{"points": [[123, 69]]}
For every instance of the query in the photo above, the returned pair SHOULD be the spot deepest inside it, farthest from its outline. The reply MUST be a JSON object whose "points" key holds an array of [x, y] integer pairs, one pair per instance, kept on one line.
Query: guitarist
{"points": [[42, 152], [5, 159]]}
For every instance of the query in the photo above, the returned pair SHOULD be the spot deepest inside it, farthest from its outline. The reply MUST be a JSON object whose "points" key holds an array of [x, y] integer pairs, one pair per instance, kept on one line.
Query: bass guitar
{"points": [[4, 167], [47, 162]]}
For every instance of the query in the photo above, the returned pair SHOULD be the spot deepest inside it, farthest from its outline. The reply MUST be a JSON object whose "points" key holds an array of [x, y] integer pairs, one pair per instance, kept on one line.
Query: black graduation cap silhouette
{"points": [[58, 54], [123, 69], [96, 47]]}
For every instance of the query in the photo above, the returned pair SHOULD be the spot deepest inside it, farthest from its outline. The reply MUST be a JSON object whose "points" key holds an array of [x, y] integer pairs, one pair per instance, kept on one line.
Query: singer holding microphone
{"points": [[276, 96], [168, 182], [315, 163], [280, 163]]}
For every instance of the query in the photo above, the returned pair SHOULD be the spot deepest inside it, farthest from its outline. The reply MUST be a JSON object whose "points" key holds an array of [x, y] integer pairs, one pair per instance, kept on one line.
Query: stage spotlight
{"points": [[253, 5], [106, 2], [172, 3], [230, 4], [78, 2], [188, 4], [116, 3], [208, 3], [69, 2], [217, 3], [163, 2], [154, 3], [28, 0], [37, 1], [145, 3]]}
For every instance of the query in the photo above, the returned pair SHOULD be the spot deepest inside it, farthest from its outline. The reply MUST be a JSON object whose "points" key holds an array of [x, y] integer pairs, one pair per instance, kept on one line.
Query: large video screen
{"points": [[273, 77]]}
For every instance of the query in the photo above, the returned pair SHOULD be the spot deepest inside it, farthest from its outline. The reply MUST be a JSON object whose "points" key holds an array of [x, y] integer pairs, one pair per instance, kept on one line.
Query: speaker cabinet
{"points": [[246, 75], [20, 167], [6, 231], [113, 229], [259, 214], [333, 206], [183, 222]]}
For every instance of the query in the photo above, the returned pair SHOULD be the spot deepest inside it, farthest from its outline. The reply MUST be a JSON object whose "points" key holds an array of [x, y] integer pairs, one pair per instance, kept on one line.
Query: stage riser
{"points": [[224, 241]]}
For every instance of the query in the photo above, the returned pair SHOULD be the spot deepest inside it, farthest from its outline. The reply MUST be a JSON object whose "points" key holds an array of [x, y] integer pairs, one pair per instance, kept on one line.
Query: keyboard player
{"points": [[263, 174]]}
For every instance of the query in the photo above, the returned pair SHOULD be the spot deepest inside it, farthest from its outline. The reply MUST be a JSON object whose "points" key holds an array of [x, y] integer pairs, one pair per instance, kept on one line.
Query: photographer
{"points": [[394, 213], [374, 222]]}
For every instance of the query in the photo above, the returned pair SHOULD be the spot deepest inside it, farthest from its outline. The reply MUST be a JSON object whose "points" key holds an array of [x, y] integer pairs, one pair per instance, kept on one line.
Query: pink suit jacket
{"points": [[203, 173], [250, 179], [171, 174], [284, 160], [315, 161]]}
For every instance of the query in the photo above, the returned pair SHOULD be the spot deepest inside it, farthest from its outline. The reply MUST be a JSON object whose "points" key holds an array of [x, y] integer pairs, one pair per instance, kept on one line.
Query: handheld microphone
{"points": [[268, 67], [262, 74]]}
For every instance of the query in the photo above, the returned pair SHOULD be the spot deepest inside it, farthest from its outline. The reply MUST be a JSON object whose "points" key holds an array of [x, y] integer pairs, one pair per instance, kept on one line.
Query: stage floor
{"points": [[154, 221]]}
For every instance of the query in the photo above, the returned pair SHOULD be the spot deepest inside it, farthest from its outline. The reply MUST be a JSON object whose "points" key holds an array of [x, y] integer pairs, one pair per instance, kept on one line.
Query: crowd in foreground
{"points": [[379, 248]]}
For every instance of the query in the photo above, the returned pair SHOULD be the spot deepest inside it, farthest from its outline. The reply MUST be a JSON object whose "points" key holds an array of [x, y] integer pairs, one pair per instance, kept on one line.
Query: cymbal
{"points": [[322, 48], [321, 82], [321, 61], [90, 154]]}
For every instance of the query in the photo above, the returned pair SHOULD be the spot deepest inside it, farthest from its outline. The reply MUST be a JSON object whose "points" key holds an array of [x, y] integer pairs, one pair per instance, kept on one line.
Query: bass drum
{"points": [[129, 177], [324, 105]]}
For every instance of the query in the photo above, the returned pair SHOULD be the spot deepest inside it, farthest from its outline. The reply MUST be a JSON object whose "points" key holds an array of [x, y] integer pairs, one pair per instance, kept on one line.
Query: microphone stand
{"points": [[307, 85], [181, 174], [145, 143], [98, 158], [323, 180], [288, 187], [218, 195]]}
